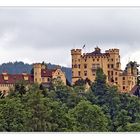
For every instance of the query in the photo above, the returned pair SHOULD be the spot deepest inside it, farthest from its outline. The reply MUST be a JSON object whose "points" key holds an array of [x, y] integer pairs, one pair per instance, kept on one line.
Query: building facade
{"points": [[84, 66], [41, 75]]}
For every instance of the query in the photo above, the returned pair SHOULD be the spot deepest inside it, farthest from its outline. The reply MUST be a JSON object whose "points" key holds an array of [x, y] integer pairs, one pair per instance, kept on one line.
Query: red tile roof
{"points": [[47, 72], [13, 78]]}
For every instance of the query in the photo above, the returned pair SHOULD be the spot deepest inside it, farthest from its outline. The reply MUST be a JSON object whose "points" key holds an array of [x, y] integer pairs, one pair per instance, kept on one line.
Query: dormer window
{"points": [[26, 77], [5, 76]]}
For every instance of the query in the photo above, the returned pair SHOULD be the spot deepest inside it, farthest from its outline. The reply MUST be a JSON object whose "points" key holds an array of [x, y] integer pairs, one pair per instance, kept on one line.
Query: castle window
{"points": [[79, 66], [123, 87], [112, 66], [48, 79], [85, 60], [111, 72], [108, 65], [93, 74], [108, 72], [112, 80], [75, 66], [123, 78], [115, 73], [72, 73], [117, 64], [93, 66], [85, 73], [116, 79], [97, 59], [85, 66], [112, 59], [93, 59], [79, 73], [79, 60]]}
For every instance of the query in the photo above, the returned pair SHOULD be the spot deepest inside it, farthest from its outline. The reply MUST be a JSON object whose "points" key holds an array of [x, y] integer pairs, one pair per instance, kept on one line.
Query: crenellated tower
{"points": [[76, 64], [37, 73]]}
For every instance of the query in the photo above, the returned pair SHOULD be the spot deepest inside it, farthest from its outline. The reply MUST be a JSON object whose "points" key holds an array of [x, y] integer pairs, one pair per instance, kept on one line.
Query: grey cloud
{"points": [[54, 28]]}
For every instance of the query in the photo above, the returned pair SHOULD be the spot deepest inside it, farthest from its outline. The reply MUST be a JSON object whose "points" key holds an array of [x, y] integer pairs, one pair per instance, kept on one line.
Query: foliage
{"points": [[13, 117], [130, 127], [88, 117], [63, 108]]}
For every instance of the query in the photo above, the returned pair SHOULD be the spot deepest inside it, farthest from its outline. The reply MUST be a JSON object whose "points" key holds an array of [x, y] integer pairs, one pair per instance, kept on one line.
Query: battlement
{"points": [[76, 51], [37, 65], [112, 51], [88, 55]]}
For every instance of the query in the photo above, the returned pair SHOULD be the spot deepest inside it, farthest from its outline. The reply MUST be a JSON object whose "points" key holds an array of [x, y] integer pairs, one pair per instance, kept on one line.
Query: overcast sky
{"points": [[34, 34]]}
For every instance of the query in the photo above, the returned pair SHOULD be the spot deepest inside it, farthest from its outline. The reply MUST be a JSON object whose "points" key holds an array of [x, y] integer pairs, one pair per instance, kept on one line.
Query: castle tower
{"points": [[114, 59], [76, 64], [114, 66], [129, 69], [135, 69], [132, 68], [37, 73]]}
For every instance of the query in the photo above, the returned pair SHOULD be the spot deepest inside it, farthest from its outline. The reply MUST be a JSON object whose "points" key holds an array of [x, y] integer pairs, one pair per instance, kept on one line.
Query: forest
{"points": [[63, 108]]}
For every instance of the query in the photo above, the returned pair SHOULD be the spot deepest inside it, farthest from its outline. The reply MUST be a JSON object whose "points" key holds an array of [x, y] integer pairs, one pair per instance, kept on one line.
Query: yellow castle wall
{"points": [[110, 64]]}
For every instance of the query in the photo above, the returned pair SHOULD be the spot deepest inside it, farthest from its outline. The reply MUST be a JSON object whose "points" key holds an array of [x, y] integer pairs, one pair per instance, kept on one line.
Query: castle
{"points": [[84, 67], [41, 75]]}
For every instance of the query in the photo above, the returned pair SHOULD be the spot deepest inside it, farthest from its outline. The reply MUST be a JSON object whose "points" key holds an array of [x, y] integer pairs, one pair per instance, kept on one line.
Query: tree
{"points": [[61, 91], [20, 87], [34, 102], [130, 127], [99, 87], [80, 82], [59, 119], [88, 117], [47, 114], [13, 116]]}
